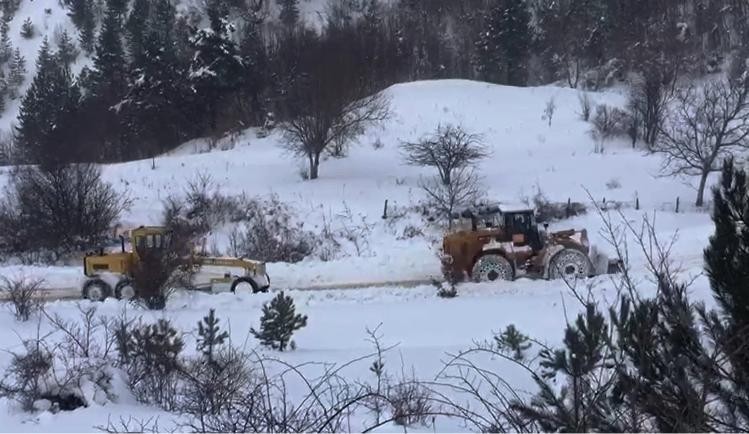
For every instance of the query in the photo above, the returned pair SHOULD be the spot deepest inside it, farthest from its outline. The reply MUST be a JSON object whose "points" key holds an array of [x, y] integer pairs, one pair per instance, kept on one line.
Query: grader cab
{"points": [[111, 274], [504, 242]]}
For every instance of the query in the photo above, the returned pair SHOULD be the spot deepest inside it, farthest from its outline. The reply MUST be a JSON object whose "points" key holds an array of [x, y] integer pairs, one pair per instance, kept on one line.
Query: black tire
{"points": [[491, 267], [570, 264], [96, 290], [125, 290], [241, 280]]}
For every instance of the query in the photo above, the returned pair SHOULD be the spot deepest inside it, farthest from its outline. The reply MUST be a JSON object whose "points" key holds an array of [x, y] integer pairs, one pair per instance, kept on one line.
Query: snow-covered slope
{"points": [[48, 17], [527, 154]]}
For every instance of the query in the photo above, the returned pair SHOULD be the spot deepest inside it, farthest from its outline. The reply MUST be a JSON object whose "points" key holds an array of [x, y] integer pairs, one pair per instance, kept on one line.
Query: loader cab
{"points": [[519, 224]]}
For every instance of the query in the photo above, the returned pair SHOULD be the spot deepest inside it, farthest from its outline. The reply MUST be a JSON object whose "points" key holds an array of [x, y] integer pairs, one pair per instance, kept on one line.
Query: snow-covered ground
{"points": [[527, 154]]}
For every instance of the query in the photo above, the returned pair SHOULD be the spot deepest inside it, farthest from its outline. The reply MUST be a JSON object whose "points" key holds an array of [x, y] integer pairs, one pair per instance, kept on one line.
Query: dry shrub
{"points": [[23, 295]]}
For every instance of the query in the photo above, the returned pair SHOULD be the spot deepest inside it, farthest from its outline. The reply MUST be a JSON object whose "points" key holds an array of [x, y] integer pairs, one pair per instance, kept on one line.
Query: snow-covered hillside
{"points": [[527, 154]]}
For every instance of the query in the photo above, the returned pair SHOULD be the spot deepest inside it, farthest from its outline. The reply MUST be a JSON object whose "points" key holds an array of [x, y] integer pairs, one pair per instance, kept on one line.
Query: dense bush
{"points": [[63, 374], [272, 233], [59, 210], [152, 354]]}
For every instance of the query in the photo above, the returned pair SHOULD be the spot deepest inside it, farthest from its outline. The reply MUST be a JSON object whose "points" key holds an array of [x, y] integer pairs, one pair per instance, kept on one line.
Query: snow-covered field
{"points": [[527, 154]]}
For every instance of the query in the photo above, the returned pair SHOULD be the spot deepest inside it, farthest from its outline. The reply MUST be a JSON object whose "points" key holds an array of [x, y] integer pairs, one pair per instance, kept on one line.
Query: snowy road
{"points": [[73, 293]]}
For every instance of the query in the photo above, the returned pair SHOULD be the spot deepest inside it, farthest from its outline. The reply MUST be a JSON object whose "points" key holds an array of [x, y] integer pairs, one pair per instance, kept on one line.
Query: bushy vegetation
{"points": [[51, 211]]}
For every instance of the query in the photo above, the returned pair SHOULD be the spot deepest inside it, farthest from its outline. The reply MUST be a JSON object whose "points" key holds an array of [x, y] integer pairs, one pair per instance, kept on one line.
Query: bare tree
{"points": [[449, 149], [330, 103], [649, 99], [464, 189], [23, 295], [603, 127], [586, 105], [706, 125], [549, 110]]}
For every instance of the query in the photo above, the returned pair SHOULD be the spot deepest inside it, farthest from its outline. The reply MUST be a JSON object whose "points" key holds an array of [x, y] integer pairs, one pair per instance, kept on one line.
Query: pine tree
{"points": [[159, 108], [136, 27], [17, 73], [279, 322], [82, 15], [511, 339], [156, 346], [210, 336], [47, 111], [6, 48], [66, 49], [27, 29], [725, 264], [106, 86], [109, 61], [578, 405], [3, 90], [161, 26], [216, 68], [10, 7], [504, 44], [255, 62], [729, 279], [289, 15]]}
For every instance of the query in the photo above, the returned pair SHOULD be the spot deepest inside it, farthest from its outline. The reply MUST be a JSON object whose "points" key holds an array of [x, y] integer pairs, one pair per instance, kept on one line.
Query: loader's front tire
{"points": [[96, 290], [570, 264], [125, 290], [244, 284], [491, 267]]}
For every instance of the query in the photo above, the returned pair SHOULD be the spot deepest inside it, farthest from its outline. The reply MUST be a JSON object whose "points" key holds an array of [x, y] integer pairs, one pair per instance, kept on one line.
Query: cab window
{"points": [[519, 223]]}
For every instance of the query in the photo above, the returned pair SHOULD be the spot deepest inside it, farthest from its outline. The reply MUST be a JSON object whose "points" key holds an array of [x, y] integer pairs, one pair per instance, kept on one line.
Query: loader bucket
{"points": [[615, 266], [602, 264]]}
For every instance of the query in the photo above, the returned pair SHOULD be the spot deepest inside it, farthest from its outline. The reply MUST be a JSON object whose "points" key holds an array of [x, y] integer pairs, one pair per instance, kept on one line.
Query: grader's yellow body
{"points": [[111, 274]]}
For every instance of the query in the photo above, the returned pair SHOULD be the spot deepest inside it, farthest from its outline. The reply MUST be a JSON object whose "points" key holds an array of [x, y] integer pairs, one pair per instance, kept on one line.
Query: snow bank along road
{"points": [[72, 293]]}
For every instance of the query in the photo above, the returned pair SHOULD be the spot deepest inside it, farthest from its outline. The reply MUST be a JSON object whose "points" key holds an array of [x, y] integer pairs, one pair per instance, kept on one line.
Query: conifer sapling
{"points": [[279, 322], [210, 335], [512, 340], [27, 29]]}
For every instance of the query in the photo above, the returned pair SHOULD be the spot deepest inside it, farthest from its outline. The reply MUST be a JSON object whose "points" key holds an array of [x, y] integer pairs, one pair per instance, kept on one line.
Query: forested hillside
{"points": [[115, 80]]}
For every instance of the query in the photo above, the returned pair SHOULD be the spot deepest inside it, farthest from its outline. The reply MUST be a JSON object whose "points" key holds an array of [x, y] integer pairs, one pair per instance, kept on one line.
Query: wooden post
{"points": [[568, 210], [385, 211], [677, 205], [637, 203]]}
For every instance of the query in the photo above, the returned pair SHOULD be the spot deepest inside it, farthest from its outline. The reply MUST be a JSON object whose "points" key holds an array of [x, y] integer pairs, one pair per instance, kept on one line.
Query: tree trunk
{"points": [[314, 166], [701, 189]]}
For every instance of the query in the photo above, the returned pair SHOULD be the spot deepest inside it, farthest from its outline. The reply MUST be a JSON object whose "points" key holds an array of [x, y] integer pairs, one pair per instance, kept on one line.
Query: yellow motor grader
{"points": [[111, 274]]}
